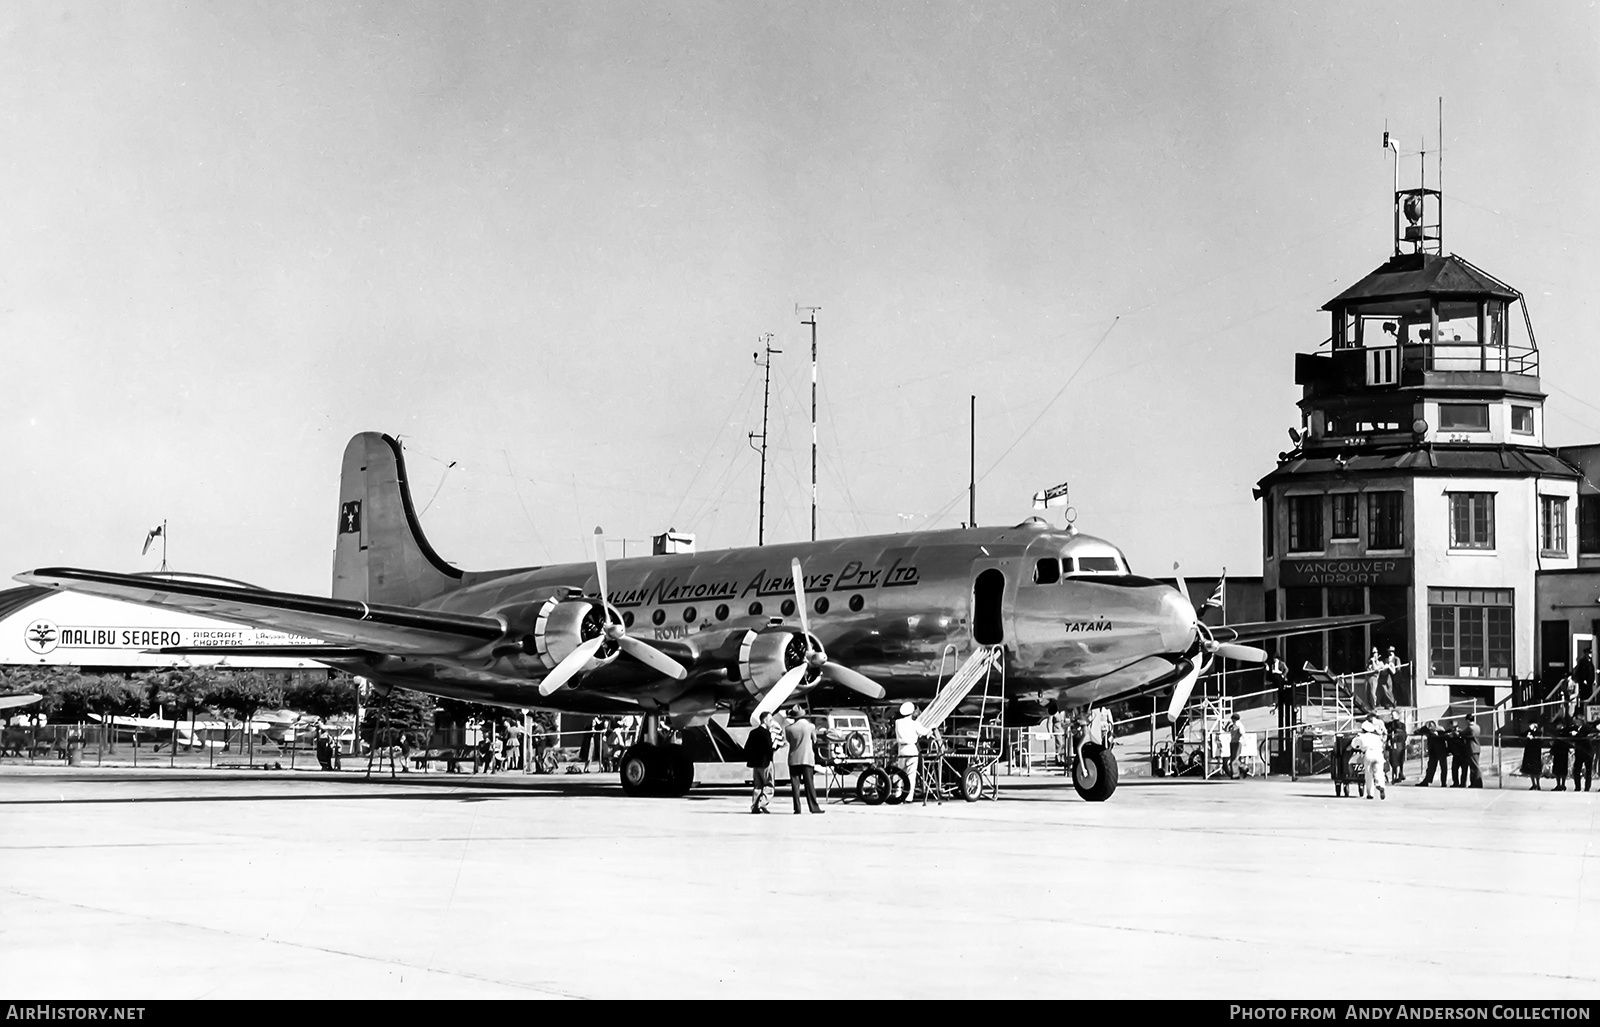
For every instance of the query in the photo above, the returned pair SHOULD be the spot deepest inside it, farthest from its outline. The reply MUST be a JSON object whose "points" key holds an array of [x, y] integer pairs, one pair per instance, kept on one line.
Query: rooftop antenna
{"points": [[972, 461], [812, 321], [1390, 144], [766, 389]]}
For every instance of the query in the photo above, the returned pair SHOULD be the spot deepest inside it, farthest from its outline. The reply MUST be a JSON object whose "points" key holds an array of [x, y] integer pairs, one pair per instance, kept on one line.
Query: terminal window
{"points": [[1305, 524], [1471, 520], [1552, 526], [1470, 632], [1463, 417], [1588, 524], [1344, 516], [1385, 522]]}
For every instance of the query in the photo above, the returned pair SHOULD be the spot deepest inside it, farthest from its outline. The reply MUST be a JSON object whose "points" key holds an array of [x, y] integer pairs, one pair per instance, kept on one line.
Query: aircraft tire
{"points": [[899, 786], [639, 770], [855, 746], [872, 787], [972, 785], [679, 777], [1095, 773]]}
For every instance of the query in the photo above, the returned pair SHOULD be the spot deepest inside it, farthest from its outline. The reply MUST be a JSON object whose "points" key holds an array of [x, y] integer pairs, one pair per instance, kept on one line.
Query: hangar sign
{"points": [[44, 636]]}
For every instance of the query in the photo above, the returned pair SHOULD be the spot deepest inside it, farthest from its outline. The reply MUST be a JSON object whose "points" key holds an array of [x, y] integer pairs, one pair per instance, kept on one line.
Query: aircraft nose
{"points": [[1177, 621]]}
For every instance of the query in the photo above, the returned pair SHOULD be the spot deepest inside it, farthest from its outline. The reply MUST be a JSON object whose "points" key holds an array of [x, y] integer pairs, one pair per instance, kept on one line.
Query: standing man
{"points": [[1583, 677], [1230, 766], [758, 757], [1397, 747], [801, 735], [1583, 746], [1370, 742], [1458, 755], [1470, 736], [908, 734], [1560, 750], [1438, 751]]}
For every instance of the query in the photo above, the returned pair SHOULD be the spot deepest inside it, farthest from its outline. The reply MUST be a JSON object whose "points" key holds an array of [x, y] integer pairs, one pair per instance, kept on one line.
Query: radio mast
{"points": [[766, 389], [813, 323]]}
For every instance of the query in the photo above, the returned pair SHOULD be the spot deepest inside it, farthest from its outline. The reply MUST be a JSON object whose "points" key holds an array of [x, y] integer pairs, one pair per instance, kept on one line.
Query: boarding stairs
{"points": [[969, 742]]}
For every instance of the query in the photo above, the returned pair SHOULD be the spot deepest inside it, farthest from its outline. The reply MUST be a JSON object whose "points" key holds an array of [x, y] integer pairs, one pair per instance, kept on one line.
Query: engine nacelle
{"points": [[764, 657], [560, 625]]}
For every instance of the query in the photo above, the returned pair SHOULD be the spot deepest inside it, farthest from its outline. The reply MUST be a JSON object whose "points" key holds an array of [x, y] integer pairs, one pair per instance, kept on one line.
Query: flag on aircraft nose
{"points": [[1056, 495], [154, 534]]}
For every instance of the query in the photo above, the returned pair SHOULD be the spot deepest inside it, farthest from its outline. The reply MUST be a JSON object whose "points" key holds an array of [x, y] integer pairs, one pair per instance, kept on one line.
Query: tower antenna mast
{"points": [[763, 359], [812, 321]]}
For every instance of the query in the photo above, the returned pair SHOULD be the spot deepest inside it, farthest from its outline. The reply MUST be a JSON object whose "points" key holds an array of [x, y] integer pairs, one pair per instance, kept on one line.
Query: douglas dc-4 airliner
{"points": [[679, 637]]}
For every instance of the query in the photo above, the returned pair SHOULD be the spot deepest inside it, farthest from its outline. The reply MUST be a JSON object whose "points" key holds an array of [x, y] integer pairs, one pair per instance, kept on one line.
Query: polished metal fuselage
{"points": [[903, 609]]}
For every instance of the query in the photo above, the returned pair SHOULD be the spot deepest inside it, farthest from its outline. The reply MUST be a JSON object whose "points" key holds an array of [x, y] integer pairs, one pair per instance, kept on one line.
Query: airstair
{"points": [[965, 728]]}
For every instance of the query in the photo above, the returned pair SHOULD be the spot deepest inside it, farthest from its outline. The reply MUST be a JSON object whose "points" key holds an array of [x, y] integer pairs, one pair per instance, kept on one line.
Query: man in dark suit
{"points": [[1438, 753], [1457, 741], [1583, 752], [1560, 750]]}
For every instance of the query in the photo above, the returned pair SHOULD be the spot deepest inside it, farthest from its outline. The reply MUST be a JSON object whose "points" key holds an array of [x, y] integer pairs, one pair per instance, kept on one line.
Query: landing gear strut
{"points": [[656, 767]]}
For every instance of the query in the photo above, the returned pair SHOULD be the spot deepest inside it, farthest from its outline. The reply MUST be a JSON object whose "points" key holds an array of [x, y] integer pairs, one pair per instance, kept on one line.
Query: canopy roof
{"points": [[1414, 275]]}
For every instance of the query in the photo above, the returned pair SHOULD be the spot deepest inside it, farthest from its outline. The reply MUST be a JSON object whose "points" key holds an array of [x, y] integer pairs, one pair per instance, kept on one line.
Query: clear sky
{"points": [[543, 241]]}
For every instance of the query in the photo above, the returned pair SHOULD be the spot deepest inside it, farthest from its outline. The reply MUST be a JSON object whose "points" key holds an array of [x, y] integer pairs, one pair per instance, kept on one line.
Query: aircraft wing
{"points": [[1256, 630], [371, 627], [11, 702]]}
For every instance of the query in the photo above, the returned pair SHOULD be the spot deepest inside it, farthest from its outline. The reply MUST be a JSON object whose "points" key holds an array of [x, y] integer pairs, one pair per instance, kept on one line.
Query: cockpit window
{"points": [[1047, 571], [1099, 565]]}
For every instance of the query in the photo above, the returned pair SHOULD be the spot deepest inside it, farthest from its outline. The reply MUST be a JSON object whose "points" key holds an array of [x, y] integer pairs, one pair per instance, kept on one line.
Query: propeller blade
{"points": [[1183, 586], [778, 693], [800, 599], [853, 680], [567, 668], [1245, 653], [1181, 692], [652, 657], [600, 567]]}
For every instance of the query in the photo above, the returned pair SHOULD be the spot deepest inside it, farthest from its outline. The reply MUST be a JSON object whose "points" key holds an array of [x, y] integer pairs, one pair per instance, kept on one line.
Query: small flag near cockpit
{"points": [[155, 533], [1056, 495]]}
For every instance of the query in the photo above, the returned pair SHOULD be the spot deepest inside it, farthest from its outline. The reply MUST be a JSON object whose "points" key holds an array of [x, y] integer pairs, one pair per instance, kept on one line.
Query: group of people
{"points": [[770, 734], [1573, 743], [796, 731], [1453, 751]]}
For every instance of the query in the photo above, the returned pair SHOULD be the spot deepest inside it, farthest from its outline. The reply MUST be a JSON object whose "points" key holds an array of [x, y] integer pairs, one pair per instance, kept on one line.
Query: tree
{"points": [[177, 692], [241, 694], [324, 698]]}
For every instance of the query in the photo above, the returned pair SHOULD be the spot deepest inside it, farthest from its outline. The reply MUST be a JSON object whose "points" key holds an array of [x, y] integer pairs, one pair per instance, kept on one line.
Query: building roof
{"points": [[1516, 461], [1412, 275]]}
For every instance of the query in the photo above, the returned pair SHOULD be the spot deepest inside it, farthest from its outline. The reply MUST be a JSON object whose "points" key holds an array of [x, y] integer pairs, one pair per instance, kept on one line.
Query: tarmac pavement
{"points": [[122, 884]]}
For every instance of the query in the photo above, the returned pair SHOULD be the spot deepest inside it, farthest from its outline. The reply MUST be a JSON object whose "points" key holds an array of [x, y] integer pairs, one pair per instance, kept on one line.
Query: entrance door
{"points": [[1553, 651], [988, 606]]}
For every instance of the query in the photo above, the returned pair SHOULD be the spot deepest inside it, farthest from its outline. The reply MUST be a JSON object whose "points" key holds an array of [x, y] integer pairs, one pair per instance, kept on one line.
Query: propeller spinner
{"points": [[613, 632], [815, 666]]}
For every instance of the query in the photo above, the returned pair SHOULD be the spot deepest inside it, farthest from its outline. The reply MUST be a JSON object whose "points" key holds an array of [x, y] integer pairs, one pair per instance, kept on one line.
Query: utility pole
{"points": [[813, 323], [766, 389]]}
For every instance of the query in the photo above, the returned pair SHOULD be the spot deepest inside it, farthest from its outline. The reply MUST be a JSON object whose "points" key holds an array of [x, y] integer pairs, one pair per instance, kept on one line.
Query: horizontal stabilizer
{"points": [[342, 622]]}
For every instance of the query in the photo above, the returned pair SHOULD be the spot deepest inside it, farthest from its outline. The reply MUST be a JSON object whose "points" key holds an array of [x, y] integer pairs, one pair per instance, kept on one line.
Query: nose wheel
{"points": [[656, 770], [1094, 772]]}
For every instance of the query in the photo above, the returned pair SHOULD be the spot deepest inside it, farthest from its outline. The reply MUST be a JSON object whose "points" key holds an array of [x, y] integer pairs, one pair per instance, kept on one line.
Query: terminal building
{"points": [[1421, 489]]}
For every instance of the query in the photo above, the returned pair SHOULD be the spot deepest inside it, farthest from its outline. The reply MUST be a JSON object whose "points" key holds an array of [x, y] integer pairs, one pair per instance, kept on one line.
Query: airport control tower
{"points": [[1420, 487]]}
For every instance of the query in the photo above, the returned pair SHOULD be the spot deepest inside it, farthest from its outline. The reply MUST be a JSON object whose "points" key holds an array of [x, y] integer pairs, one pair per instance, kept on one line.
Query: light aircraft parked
{"points": [[679, 637], [11, 702], [193, 733]]}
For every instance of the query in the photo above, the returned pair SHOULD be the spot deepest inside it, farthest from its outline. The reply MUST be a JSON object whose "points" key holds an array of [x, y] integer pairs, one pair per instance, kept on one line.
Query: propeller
{"points": [[613, 631], [814, 666], [1207, 644]]}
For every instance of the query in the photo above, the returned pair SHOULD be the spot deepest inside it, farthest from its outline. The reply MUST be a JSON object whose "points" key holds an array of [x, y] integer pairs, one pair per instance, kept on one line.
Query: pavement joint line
{"points": [[380, 961]]}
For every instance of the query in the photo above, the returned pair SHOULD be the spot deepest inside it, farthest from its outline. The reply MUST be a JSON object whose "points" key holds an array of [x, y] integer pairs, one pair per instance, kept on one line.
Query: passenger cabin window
{"points": [[1522, 420], [1047, 571], [1463, 417]]}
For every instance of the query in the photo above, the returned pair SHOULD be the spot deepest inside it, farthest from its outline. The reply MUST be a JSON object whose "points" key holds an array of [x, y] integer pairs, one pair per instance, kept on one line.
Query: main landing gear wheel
{"points": [[1095, 773], [872, 787], [972, 785], [899, 786], [657, 770]]}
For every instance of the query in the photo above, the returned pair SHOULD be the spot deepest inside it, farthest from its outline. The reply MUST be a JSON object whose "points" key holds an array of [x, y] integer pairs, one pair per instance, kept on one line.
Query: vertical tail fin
{"points": [[380, 554]]}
